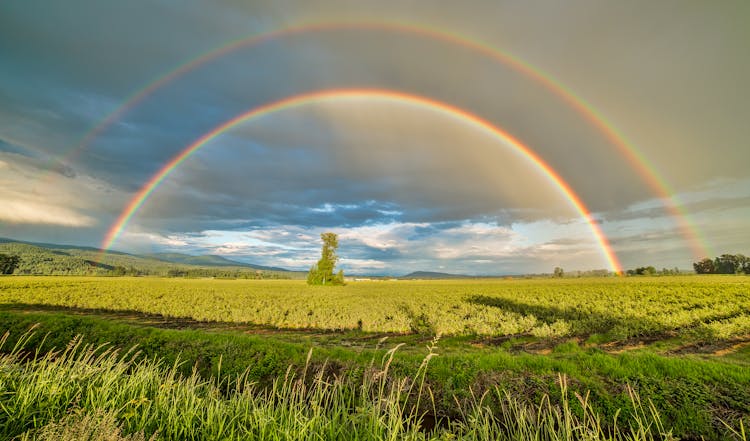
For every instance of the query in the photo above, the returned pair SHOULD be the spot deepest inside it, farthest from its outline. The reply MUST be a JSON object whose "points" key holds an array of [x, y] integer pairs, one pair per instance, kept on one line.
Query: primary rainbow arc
{"points": [[298, 100]]}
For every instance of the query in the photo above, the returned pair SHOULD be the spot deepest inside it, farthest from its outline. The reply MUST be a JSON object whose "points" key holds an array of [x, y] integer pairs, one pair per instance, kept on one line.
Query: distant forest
{"points": [[26, 259]]}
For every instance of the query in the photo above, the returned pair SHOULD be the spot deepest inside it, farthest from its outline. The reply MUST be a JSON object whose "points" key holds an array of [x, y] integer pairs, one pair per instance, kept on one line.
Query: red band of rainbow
{"points": [[298, 100]]}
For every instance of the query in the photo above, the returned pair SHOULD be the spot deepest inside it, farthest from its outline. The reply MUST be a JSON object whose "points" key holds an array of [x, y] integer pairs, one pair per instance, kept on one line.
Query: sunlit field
{"points": [[709, 307], [600, 358]]}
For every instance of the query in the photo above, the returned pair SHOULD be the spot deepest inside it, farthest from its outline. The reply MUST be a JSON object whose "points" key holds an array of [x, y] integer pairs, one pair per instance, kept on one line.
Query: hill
{"points": [[54, 246], [434, 275], [208, 260], [55, 259]]}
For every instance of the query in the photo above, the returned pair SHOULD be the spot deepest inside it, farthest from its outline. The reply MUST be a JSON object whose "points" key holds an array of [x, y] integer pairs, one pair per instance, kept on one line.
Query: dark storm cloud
{"points": [[10, 147], [367, 179], [673, 80], [110, 46], [173, 117], [717, 203]]}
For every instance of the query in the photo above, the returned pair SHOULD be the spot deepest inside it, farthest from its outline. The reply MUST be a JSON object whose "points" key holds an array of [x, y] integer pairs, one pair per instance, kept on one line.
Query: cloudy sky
{"points": [[407, 187]]}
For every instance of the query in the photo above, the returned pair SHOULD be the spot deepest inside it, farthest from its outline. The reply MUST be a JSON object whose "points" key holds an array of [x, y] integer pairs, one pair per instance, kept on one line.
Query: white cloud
{"points": [[138, 240], [32, 194], [400, 247], [383, 236], [364, 264], [17, 210]]}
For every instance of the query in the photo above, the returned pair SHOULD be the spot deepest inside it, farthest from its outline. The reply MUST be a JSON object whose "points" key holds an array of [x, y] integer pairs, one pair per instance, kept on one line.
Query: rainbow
{"points": [[585, 109], [338, 94]]}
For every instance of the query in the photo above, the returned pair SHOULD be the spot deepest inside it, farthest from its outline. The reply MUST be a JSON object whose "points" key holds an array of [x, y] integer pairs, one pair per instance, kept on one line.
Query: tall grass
{"points": [[83, 392]]}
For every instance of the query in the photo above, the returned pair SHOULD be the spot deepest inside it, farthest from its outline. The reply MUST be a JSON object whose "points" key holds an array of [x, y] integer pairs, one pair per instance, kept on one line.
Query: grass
{"points": [[693, 395], [681, 342], [95, 392]]}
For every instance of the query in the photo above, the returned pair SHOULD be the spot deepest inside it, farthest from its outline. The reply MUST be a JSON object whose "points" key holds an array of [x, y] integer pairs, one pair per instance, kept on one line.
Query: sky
{"points": [[640, 108]]}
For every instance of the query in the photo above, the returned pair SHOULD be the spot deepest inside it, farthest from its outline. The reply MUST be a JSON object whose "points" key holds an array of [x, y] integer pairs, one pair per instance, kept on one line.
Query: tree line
{"points": [[651, 271], [724, 264]]}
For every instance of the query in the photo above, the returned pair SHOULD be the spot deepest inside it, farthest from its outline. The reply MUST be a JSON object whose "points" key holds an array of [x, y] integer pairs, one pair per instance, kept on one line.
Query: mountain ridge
{"points": [[208, 260], [435, 275], [39, 258]]}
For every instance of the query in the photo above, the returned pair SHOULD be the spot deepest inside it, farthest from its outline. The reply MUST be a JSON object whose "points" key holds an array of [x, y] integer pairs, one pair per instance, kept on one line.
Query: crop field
{"points": [[709, 307], [506, 358]]}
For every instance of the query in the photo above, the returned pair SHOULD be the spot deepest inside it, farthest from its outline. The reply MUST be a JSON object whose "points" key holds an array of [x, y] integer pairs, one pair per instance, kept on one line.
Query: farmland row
{"points": [[711, 307]]}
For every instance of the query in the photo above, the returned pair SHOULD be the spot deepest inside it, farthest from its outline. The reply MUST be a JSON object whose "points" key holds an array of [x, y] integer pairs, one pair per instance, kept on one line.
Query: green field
{"points": [[614, 309], [680, 343]]}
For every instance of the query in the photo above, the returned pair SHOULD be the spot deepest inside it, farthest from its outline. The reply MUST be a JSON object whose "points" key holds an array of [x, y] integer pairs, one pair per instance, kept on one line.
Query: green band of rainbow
{"points": [[628, 150], [298, 100]]}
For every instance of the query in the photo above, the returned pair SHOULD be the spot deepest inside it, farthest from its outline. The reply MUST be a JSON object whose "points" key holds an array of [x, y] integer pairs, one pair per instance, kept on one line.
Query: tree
{"points": [[646, 270], [322, 272], [558, 272], [642, 271], [725, 264], [730, 264], [746, 265], [705, 266], [8, 264]]}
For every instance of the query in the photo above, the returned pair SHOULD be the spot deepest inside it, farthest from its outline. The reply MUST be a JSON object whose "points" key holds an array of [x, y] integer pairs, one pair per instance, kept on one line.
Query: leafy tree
{"points": [[705, 266], [642, 271], [647, 270], [730, 263], [8, 264], [724, 264], [558, 272], [322, 272]]}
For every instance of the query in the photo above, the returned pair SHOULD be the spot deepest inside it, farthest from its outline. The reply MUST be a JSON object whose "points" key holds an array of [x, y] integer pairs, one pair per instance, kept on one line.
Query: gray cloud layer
{"points": [[671, 76]]}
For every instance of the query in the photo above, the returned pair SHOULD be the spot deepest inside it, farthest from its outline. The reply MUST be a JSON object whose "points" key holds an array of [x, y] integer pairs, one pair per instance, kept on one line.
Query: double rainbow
{"points": [[585, 109]]}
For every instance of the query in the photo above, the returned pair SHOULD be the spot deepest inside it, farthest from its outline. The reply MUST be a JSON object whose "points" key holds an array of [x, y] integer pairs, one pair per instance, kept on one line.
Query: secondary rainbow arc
{"points": [[587, 110], [298, 100]]}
